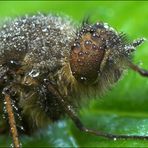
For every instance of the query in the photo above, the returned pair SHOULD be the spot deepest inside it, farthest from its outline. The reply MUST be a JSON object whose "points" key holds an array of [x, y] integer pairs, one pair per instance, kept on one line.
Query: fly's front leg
{"points": [[71, 113], [11, 118], [131, 48], [136, 68]]}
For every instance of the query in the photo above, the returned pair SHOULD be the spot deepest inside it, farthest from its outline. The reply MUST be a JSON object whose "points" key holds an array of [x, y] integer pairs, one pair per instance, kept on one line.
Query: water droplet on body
{"points": [[34, 73]]}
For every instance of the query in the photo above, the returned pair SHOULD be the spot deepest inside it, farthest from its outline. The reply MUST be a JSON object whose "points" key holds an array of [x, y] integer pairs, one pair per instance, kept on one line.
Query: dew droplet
{"points": [[92, 30], [11, 145], [101, 48], [94, 35], [94, 47], [81, 53], [86, 52], [15, 107], [22, 128], [3, 116], [76, 48], [34, 73], [106, 25], [44, 30], [87, 44], [83, 78], [5, 102]]}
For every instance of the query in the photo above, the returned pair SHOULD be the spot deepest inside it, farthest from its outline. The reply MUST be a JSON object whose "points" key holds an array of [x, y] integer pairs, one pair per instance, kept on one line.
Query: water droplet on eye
{"points": [[101, 48], [86, 52], [81, 63], [94, 47], [87, 43], [76, 48], [34, 73], [79, 60], [76, 45], [80, 53]]}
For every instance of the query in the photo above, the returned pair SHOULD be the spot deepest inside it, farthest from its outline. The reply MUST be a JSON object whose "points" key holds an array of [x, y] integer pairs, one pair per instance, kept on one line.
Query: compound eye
{"points": [[86, 56]]}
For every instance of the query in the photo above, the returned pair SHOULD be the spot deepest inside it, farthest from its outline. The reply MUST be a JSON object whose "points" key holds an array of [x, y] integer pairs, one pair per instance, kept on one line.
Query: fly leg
{"points": [[136, 68], [71, 113], [11, 118]]}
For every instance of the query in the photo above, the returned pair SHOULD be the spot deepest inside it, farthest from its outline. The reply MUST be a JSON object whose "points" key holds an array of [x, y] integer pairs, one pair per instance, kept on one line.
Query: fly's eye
{"points": [[87, 54]]}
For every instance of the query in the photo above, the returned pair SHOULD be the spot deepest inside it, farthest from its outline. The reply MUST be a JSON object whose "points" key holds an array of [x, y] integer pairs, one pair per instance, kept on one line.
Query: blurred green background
{"points": [[124, 109]]}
